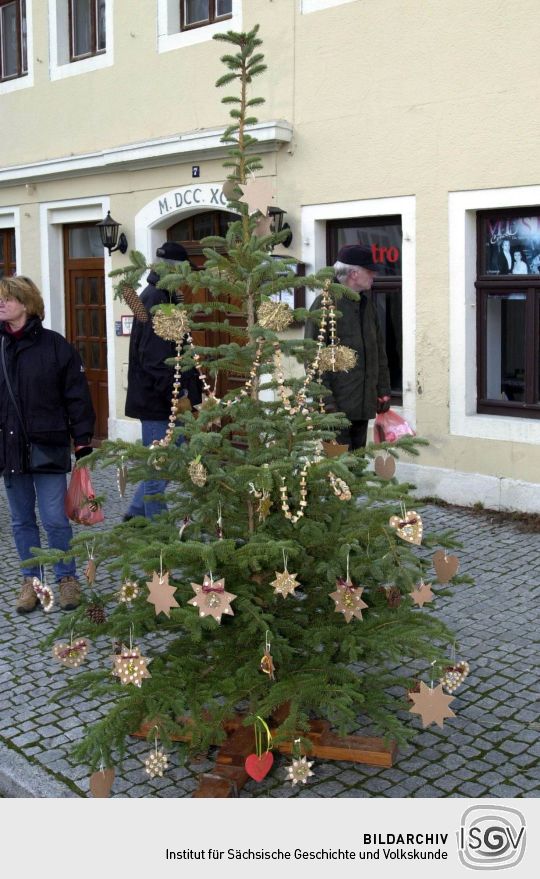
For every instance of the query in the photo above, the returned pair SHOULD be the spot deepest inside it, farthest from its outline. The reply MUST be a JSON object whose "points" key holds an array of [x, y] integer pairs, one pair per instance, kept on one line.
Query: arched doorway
{"points": [[189, 232]]}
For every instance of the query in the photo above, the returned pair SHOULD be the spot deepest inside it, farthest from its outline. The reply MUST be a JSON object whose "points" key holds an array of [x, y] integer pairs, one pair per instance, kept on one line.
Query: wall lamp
{"points": [[277, 214], [108, 229]]}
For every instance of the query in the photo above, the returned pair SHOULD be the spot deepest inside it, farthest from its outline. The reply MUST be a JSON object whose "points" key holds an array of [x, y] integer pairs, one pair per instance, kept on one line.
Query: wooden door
{"points": [[188, 233], [85, 313]]}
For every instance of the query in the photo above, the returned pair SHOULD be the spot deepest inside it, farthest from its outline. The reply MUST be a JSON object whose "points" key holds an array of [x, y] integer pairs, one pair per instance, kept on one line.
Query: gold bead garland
{"points": [[243, 392], [294, 517], [167, 439]]}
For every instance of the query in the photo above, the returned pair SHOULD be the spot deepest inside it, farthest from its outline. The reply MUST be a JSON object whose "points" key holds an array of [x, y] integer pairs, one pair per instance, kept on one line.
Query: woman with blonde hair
{"points": [[44, 403]]}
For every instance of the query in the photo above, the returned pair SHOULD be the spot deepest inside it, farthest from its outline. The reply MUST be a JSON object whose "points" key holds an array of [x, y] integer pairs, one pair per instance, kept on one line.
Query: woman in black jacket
{"points": [[45, 388]]}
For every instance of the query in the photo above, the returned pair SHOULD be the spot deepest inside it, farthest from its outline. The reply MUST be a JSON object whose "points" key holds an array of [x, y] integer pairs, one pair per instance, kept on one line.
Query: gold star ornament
{"points": [[300, 770], [161, 593], [211, 598], [432, 704], [130, 666], [285, 583], [348, 599]]}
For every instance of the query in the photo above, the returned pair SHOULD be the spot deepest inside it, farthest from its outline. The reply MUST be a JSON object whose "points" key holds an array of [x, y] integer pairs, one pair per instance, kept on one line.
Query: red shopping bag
{"points": [[81, 505], [389, 427]]}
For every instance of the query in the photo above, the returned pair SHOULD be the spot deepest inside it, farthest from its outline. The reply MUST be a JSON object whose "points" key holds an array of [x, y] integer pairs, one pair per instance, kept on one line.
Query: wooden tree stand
{"points": [[229, 775]]}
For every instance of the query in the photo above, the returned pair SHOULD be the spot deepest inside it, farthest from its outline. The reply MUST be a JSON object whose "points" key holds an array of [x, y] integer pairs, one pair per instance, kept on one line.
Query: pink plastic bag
{"points": [[389, 427], [80, 504]]}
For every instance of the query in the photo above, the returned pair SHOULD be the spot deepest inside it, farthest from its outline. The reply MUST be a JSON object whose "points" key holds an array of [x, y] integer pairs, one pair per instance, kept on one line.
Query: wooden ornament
{"points": [[263, 227], [156, 763], [259, 767], [72, 654], [211, 598], [332, 449], [267, 665], [161, 593], [90, 571], [121, 479], [285, 583], [101, 782], [44, 594], [300, 770], [348, 599], [432, 704], [257, 194], [130, 666], [128, 591], [230, 190], [446, 566], [422, 594], [408, 527], [385, 466]]}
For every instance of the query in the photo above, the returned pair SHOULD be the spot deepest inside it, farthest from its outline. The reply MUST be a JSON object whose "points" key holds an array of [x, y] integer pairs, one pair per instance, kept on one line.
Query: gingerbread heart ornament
{"points": [[259, 767], [385, 467], [101, 782], [446, 566], [409, 527]]}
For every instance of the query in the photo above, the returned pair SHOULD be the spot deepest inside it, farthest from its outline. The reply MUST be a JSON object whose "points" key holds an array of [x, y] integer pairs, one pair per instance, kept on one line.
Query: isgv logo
{"points": [[491, 837]]}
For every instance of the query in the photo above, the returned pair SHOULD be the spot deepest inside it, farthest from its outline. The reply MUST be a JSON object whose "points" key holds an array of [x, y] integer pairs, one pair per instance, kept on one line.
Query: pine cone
{"points": [[393, 596], [132, 301], [96, 614]]}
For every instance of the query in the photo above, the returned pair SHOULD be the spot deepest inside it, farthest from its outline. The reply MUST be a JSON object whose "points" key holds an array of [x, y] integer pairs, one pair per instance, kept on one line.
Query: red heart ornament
{"points": [[258, 767]]}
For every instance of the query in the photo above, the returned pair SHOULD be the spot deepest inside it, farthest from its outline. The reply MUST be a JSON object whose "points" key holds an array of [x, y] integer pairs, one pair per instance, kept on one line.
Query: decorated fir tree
{"points": [[285, 581]]}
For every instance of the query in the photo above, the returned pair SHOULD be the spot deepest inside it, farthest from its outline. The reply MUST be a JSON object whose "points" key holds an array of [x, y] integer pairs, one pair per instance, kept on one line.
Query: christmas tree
{"points": [[275, 578]]}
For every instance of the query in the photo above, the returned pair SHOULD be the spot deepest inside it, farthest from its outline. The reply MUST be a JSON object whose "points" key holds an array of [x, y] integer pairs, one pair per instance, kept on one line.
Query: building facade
{"points": [[410, 126]]}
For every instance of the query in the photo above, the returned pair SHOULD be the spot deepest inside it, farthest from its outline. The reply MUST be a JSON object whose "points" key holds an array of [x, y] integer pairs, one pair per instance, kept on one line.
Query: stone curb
{"points": [[19, 778]]}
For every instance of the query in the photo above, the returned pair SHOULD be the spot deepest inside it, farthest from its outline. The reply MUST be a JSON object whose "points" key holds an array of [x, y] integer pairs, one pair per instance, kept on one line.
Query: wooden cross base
{"points": [[229, 775]]}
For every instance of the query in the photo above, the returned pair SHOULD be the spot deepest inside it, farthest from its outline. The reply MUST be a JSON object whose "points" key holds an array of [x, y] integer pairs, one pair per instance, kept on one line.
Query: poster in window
{"points": [[511, 245]]}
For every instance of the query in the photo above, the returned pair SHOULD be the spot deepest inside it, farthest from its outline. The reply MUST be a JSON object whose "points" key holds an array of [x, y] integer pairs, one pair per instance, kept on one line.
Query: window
{"points": [[384, 236], [87, 31], [195, 13], [13, 50], [7, 253], [508, 300]]}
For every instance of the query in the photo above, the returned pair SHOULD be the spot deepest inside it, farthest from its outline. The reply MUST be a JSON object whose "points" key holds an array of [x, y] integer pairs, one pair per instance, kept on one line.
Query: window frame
{"points": [[212, 17], [22, 49], [8, 253], [391, 284], [93, 33], [529, 285]]}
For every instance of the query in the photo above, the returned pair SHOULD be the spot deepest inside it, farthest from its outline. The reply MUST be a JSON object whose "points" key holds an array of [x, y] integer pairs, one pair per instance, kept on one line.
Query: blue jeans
{"points": [[50, 491], [142, 503]]}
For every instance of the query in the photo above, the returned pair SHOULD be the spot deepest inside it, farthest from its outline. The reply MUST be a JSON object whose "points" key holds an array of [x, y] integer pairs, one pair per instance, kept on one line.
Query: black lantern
{"points": [[108, 229], [277, 214]]}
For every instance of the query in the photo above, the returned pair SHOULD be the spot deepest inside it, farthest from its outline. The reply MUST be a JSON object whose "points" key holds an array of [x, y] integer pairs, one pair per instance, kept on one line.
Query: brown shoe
{"points": [[70, 593], [27, 599]]}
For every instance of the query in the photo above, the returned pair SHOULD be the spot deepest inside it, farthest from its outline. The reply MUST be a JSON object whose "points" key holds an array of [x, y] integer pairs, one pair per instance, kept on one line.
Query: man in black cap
{"points": [[365, 389], [150, 381]]}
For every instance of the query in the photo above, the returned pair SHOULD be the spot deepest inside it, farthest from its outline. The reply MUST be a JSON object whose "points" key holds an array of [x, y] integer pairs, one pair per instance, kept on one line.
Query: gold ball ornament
{"points": [[300, 770], [156, 763], [172, 324], [337, 358], [276, 316]]}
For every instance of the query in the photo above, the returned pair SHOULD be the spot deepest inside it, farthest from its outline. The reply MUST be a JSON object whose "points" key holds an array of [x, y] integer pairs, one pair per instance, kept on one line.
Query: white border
{"points": [[464, 420], [169, 36], [314, 218], [26, 81], [60, 67], [200, 145], [53, 216]]}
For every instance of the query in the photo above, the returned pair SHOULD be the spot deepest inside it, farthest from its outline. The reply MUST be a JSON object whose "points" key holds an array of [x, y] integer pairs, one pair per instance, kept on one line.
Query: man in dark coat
{"points": [[365, 389], [150, 381]]}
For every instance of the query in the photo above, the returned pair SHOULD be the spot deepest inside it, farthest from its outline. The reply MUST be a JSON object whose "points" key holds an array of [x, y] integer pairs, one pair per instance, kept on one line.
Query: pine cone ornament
{"points": [[134, 303], [197, 473], [275, 316], [96, 614]]}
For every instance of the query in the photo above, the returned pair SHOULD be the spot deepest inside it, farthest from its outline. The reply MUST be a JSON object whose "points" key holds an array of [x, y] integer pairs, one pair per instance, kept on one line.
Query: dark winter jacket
{"points": [[49, 383], [355, 392], [150, 378]]}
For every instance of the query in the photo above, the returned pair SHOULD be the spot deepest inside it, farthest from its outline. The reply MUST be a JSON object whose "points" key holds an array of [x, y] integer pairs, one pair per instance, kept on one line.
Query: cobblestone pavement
{"points": [[491, 748]]}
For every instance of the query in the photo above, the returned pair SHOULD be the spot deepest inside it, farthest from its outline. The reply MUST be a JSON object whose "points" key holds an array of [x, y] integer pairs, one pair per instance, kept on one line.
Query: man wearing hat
{"points": [[365, 389], [150, 381]]}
